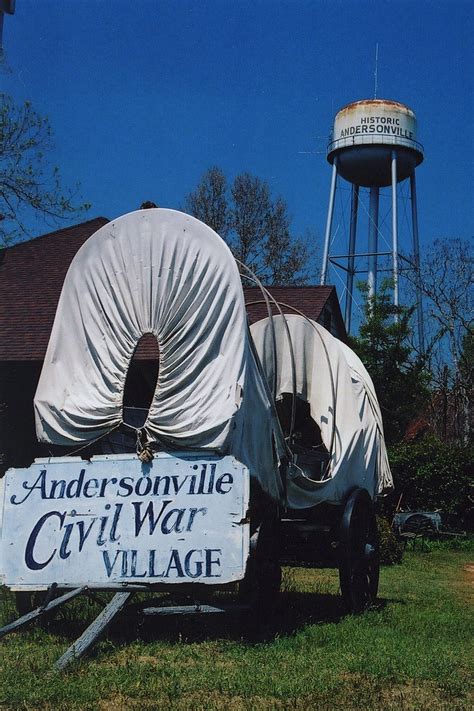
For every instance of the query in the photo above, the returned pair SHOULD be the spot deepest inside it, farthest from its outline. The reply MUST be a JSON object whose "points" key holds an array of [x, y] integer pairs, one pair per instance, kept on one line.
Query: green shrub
{"points": [[434, 475], [391, 549]]}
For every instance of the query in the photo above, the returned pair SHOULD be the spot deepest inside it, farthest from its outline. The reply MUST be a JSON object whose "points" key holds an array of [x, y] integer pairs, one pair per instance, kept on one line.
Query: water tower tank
{"points": [[365, 134], [373, 145]]}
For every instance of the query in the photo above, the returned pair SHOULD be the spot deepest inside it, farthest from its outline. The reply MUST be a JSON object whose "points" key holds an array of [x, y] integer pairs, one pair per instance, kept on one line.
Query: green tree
{"points": [[399, 376], [254, 224], [29, 185], [432, 474]]}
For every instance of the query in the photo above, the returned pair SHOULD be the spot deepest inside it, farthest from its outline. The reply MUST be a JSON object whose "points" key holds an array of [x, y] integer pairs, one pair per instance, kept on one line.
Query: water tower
{"points": [[373, 146]]}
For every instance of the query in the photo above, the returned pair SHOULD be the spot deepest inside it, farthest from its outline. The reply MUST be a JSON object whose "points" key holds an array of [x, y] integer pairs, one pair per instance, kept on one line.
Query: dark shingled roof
{"points": [[316, 302], [31, 278], [32, 274]]}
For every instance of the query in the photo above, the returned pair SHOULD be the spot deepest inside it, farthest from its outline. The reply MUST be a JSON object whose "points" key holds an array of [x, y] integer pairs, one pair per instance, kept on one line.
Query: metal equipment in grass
{"points": [[413, 526]]}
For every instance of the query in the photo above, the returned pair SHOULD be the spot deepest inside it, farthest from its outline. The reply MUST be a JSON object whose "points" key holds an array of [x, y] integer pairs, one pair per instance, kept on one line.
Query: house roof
{"points": [[31, 278], [32, 274], [310, 300]]}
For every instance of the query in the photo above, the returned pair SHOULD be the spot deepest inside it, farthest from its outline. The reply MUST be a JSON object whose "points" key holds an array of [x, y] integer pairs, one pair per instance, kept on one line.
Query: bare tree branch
{"points": [[28, 184], [255, 226]]}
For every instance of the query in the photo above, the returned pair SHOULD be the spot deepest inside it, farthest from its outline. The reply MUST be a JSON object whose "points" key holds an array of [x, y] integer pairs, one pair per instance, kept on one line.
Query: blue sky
{"points": [[143, 96]]}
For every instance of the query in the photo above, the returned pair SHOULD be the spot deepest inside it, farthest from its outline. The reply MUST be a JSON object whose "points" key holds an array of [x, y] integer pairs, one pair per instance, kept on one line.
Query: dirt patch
{"points": [[118, 703], [420, 695], [411, 695], [469, 571], [197, 701], [465, 584]]}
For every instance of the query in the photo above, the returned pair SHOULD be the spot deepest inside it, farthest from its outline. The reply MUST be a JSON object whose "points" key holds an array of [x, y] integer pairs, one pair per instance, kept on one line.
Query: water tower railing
{"points": [[373, 140]]}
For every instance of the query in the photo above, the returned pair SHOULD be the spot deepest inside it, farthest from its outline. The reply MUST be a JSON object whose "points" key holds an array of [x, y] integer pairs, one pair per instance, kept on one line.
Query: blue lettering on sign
{"points": [[107, 532], [204, 483], [103, 529], [195, 563], [30, 546], [175, 520]]}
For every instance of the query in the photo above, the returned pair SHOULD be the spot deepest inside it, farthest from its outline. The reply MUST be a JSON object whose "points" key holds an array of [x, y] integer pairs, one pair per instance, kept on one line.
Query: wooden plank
{"points": [[94, 631], [103, 587], [40, 611], [194, 609]]}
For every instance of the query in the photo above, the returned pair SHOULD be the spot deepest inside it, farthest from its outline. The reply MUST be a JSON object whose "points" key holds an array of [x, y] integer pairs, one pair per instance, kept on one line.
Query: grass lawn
{"points": [[412, 652]]}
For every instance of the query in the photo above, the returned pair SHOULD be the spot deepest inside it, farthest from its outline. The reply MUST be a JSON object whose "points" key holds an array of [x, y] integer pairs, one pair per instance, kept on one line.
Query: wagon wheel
{"points": [[260, 587], [359, 562]]}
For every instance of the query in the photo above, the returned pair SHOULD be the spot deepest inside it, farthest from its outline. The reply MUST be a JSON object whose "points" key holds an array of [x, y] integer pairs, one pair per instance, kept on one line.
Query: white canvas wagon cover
{"points": [[333, 380], [162, 272]]}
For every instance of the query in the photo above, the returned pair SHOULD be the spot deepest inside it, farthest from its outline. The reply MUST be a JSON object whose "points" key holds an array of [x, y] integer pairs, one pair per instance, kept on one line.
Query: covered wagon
{"points": [[254, 438]]}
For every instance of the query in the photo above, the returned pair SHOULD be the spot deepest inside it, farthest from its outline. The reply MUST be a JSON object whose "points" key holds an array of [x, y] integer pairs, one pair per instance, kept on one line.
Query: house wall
{"points": [[18, 444], [18, 382]]}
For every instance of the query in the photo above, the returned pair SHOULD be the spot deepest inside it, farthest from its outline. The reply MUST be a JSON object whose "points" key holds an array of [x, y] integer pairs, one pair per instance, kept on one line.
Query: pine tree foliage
{"points": [[399, 377]]}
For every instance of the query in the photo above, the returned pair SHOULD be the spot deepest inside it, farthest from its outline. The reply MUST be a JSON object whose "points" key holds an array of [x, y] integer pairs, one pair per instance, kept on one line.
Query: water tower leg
{"points": [[350, 259], [373, 239], [327, 237], [416, 255], [394, 230]]}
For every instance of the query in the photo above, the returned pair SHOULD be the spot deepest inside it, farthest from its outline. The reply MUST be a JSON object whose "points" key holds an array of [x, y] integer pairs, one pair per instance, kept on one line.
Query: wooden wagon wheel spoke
{"points": [[359, 558], [260, 587]]}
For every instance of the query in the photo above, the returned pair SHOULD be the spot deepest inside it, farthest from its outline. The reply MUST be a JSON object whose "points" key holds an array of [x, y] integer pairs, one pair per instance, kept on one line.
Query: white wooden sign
{"points": [[115, 520]]}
